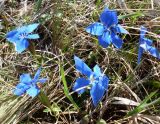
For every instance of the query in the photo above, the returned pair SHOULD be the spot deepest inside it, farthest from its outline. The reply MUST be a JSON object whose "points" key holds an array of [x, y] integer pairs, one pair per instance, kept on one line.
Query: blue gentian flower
{"points": [[19, 37], [107, 29], [29, 85], [145, 44], [96, 79]]}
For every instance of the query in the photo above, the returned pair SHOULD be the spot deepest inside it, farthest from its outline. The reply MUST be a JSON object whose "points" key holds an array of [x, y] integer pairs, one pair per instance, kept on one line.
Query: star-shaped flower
{"points": [[28, 85], [145, 44], [95, 79], [107, 29], [19, 37]]}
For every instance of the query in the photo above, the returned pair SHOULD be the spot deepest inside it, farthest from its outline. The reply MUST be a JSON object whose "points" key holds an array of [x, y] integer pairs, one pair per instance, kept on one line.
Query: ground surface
{"points": [[133, 94]]}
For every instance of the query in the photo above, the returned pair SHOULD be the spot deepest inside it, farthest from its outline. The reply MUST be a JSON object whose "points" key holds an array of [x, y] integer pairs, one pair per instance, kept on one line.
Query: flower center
{"points": [[92, 78], [23, 35]]}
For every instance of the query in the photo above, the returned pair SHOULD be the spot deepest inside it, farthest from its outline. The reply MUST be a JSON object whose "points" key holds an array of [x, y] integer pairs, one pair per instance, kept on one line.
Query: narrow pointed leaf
{"points": [[38, 5], [44, 99], [66, 91], [142, 105]]}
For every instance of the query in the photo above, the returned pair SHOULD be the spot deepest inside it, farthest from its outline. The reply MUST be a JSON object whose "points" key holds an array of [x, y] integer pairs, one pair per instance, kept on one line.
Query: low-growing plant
{"points": [[119, 94]]}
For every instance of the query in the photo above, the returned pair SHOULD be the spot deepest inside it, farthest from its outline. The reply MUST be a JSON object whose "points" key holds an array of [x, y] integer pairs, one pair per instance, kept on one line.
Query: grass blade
{"points": [[38, 5], [135, 14], [143, 105], [66, 91]]}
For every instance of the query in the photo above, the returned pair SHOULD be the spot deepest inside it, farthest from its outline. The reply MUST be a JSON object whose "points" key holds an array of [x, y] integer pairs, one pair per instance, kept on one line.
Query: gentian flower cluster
{"points": [[145, 44], [29, 85], [107, 29], [96, 79], [19, 37]]}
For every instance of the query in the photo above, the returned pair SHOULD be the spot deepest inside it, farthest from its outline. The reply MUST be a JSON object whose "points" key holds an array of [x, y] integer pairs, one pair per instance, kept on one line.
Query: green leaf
{"points": [[44, 99], [38, 5], [155, 83], [98, 2], [143, 104], [85, 120], [66, 91], [101, 121], [47, 110], [55, 109], [135, 14]]}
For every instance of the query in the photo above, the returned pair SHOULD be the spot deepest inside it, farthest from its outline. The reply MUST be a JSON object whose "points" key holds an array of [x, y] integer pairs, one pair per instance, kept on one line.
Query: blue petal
{"points": [[95, 29], [42, 80], [143, 31], [109, 17], [20, 89], [118, 42], [80, 82], [154, 52], [82, 67], [12, 36], [33, 36], [33, 91], [148, 41], [11, 33], [97, 70], [29, 28], [13, 39], [140, 52], [145, 46], [19, 92], [104, 80], [97, 91], [25, 79], [36, 76], [105, 39], [21, 45], [22, 86], [120, 29]]}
